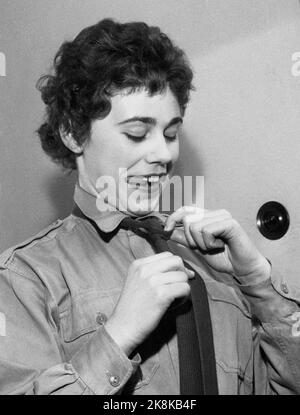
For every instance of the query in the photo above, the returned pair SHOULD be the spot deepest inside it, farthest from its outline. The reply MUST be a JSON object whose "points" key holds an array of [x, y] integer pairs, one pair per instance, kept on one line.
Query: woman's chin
{"points": [[142, 208]]}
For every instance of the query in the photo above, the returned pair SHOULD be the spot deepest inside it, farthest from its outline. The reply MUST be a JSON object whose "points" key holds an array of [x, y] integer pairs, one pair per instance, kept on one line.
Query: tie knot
{"points": [[150, 225]]}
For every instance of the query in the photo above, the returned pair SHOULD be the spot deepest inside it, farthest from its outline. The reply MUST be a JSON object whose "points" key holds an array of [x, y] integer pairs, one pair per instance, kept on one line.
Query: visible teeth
{"points": [[140, 180], [153, 179]]}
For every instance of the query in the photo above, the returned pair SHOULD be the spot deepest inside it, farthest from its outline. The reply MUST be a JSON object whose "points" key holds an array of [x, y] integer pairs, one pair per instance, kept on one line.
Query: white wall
{"points": [[241, 131], [244, 124]]}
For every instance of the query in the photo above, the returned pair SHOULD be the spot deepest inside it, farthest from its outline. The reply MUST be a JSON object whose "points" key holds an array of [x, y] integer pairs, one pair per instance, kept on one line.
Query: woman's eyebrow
{"points": [[145, 120], [151, 121], [174, 121]]}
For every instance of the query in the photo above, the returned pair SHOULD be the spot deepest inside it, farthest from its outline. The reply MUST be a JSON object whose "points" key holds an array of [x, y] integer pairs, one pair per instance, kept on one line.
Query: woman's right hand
{"points": [[152, 284]]}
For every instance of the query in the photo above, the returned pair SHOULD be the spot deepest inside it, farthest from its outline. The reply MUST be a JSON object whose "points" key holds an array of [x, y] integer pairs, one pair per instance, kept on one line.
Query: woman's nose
{"points": [[160, 151]]}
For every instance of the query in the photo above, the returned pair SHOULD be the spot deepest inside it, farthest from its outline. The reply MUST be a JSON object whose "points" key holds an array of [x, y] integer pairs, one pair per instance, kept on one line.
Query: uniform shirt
{"points": [[58, 289]]}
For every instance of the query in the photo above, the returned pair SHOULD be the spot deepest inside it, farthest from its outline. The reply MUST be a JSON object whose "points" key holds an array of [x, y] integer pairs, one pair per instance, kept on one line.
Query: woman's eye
{"points": [[135, 137], [171, 137], [171, 134], [140, 137]]}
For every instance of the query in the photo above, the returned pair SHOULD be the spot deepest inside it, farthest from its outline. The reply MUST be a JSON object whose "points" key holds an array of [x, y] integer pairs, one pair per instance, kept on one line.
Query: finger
{"points": [[178, 235], [142, 262], [192, 222], [171, 263], [177, 216], [214, 235], [191, 214], [172, 277], [212, 241], [154, 258], [177, 290], [183, 235], [189, 219], [202, 239]]}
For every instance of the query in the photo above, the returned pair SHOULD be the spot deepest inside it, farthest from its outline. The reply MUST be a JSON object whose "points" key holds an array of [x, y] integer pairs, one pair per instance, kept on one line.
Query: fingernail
{"points": [[190, 272]]}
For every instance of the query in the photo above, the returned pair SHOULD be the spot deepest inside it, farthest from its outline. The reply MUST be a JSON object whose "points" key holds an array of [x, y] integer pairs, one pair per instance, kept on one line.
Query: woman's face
{"points": [[140, 137]]}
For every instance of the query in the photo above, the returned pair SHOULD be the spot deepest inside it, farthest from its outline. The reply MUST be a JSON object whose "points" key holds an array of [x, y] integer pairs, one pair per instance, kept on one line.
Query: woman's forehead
{"points": [[161, 106]]}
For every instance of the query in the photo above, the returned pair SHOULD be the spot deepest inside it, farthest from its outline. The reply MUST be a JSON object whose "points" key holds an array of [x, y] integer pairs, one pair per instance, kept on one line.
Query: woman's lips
{"points": [[146, 182]]}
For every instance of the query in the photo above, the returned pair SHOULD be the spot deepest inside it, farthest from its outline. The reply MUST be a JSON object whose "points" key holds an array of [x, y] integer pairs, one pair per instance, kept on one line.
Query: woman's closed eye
{"points": [[171, 137], [135, 137], [171, 134], [140, 133]]}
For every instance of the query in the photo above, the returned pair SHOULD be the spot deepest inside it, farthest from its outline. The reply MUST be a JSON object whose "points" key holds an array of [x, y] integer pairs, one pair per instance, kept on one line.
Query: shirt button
{"points": [[114, 381], [284, 288], [101, 318]]}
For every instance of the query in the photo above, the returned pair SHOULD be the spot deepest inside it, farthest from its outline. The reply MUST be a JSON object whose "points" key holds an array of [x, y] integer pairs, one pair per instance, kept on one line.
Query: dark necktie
{"points": [[197, 365]]}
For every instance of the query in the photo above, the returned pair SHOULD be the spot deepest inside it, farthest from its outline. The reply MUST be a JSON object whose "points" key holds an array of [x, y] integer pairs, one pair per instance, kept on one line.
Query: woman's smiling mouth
{"points": [[146, 182]]}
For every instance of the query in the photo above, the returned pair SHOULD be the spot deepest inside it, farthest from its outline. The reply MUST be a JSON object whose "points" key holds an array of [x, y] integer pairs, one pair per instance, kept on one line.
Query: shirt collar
{"points": [[106, 221]]}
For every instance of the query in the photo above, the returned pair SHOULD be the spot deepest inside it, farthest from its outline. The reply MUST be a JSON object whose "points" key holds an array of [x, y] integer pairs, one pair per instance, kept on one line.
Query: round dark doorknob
{"points": [[273, 220]]}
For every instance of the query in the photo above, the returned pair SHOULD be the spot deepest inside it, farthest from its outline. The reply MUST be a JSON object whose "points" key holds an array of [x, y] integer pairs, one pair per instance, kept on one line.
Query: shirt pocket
{"points": [[233, 348], [86, 312], [82, 315], [233, 380]]}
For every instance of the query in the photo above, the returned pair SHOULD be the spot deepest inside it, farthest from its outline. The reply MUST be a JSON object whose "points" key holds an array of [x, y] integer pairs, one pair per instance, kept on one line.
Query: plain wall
{"points": [[241, 130]]}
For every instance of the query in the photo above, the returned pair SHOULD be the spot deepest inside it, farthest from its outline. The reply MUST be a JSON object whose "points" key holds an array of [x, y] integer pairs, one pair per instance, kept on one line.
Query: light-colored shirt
{"points": [[58, 289]]}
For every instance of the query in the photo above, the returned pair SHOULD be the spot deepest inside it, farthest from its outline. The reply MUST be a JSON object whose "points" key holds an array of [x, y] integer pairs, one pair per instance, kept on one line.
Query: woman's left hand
{"points": [[223, 243]]}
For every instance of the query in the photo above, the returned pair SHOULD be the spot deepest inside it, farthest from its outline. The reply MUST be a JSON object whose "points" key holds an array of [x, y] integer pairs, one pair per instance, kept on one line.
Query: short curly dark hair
{"points": [[103, 59]]}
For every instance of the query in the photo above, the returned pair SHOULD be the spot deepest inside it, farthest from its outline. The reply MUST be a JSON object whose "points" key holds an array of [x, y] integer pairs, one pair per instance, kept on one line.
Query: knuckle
{"points": [[188, 208], [225, 213], [235, 223], [178, 260]]}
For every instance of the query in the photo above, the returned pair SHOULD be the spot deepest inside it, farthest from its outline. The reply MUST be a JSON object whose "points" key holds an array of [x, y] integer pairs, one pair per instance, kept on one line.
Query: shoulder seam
{"points": [[10, 253], [27, 277]]}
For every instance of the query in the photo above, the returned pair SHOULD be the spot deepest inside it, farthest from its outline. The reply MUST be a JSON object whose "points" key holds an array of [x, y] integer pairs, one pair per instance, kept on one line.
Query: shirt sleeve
{"points": [[276, 339], [32, 359]]}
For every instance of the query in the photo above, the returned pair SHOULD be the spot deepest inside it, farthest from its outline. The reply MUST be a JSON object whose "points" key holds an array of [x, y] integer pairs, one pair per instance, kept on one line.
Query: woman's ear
{"points": [[70, 142]]}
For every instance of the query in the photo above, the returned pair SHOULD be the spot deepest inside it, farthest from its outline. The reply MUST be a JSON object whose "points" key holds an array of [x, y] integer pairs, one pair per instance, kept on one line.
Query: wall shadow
{"points": [[59, 188], [189, 162]]}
